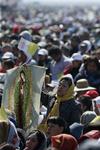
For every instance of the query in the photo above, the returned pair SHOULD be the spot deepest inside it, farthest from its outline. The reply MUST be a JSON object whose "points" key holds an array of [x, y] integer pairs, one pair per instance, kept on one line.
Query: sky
{"points": [[65, 1]]}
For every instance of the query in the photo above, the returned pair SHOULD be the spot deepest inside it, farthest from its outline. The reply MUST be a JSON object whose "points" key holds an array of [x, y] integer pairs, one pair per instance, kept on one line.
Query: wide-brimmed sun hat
{"points": [[83, 85]]}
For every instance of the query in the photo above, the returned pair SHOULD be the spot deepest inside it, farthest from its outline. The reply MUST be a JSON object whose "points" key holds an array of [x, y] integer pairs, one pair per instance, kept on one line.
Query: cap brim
{"points": [[41, 54], [83, 89], [72, 59]]}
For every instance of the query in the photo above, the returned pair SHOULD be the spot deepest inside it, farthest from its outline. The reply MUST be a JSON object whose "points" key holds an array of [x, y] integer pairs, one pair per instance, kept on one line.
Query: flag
{"points": [[28, 47], [22, 94]]}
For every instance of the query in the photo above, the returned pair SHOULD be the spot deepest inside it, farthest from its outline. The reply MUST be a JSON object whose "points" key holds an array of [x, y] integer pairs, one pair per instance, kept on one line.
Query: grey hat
{"points": [[87, 117]]}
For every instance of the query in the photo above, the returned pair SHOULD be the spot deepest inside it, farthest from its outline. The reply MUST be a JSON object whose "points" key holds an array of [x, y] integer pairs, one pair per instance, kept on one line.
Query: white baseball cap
{"points": [[8, 55], [42, 44], [77, 57], [43, 52]]}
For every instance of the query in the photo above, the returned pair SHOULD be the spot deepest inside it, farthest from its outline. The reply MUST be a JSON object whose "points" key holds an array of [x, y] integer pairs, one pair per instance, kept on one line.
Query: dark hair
{"points": [[75, 37], [40, 137], [92, 59], [58, 121], [21, 134], [54, 50], [9, 63], [86, 101], [7, 147]]}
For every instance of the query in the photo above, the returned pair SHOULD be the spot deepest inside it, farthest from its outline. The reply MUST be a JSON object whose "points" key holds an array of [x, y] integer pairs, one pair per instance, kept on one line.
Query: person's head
{"points": [[42, 55], [87, 117], [4, 126], [75, 40], [86, 103], [21, 134], [65, 37], [92, 65], [76, 60], [8, 64], [56, 125], [26, 35], [90, 145], [85, 46], [22, 57], [93, 94], [66, 50], [7, 147], [6, 48], [90, 135], [76, 130], [63, 142], [84, 35], [8, 133], [35, 141], [55, 53], [14, 44], [36, 38], [66, 86], [8, 60], [82, 86]]}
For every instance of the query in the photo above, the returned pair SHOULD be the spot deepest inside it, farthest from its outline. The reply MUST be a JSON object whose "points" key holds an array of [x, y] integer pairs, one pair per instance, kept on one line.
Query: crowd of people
{"points": [[68, 41]]}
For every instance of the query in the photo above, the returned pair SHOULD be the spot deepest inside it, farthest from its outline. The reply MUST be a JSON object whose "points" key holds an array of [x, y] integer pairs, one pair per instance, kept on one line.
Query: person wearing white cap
{"points": [[42, 59], [8, 55], [8, 61], [76, 63], [43, 52], [85, 47]]}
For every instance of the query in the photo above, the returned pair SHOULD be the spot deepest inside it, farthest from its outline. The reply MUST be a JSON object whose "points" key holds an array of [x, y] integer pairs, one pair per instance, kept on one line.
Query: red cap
{"points": [[64, 141], [92, 93]]}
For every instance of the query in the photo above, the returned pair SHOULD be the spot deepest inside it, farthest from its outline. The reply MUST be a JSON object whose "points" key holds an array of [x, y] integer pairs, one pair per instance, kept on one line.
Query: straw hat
{"points": [[82, 85]]}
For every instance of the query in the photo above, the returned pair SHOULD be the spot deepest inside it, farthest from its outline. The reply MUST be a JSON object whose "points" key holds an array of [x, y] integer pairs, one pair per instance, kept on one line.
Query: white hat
{"points": [[77, 57], [87, 43], [42, 44], [43, 52], [8, 55]]}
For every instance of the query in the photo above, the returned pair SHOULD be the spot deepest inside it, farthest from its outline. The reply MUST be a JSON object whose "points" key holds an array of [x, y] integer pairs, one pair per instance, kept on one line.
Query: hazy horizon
{"points": [[64, 1]]}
